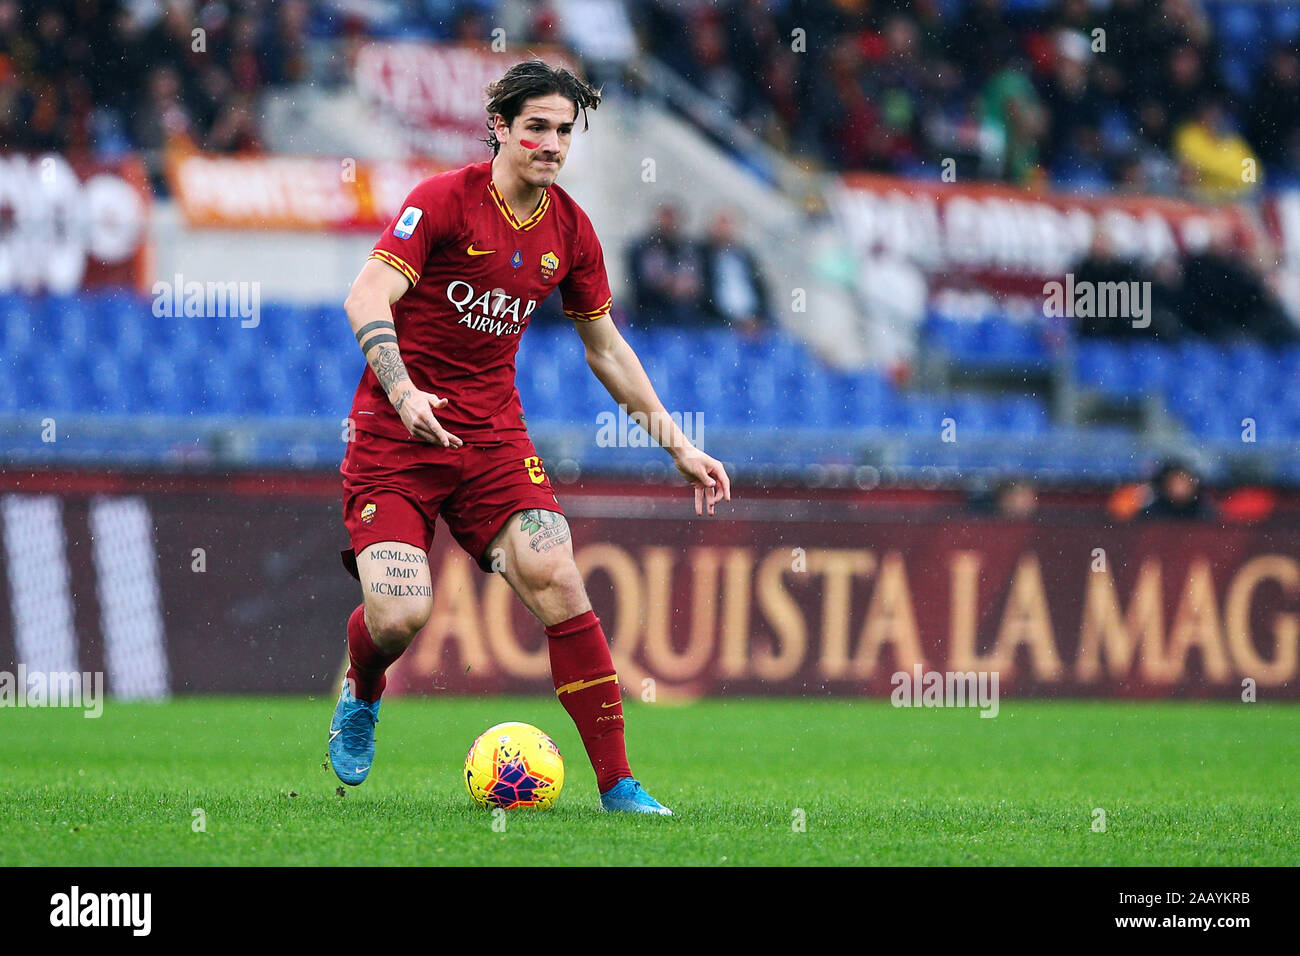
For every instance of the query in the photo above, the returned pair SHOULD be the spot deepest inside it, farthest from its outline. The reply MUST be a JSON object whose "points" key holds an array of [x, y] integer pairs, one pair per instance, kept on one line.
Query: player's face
{"points": [[537, 143]]}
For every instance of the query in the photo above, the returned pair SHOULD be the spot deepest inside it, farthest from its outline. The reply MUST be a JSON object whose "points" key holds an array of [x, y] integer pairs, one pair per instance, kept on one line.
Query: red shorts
{"points": [[393, 491]]}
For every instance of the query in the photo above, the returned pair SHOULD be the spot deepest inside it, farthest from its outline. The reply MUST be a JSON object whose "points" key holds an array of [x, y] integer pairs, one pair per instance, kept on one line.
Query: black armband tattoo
{"points": [[378, 340], [374, 327]]}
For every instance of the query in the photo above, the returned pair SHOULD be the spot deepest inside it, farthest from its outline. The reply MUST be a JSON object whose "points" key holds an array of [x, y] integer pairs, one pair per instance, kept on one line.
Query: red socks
{"points": [[585, 682], [581, 668], [368, 661]]}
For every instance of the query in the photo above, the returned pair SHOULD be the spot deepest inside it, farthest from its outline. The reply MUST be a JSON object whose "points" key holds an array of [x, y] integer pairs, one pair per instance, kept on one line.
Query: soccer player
{"points": [[437, 310]]}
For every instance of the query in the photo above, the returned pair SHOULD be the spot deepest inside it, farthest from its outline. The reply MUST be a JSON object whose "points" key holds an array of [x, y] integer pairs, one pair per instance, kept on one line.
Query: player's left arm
{"points": [[617, 367]]}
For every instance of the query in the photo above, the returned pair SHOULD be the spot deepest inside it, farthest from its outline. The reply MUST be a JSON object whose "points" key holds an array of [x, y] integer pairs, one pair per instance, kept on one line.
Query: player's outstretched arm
{"points": [[369, 306], [614, 362]]}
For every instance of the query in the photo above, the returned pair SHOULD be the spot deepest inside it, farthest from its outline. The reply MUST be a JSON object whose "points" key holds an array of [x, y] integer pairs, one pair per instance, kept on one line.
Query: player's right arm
{"points": [[369, 306]]}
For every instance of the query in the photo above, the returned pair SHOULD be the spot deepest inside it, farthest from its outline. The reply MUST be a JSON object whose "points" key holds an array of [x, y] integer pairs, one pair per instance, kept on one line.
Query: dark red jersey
{"points": [[477, 275]]}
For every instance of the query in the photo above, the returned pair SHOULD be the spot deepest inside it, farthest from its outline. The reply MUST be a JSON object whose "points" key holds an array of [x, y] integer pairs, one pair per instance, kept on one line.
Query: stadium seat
{"points": [[1284, 22], [115, 358]]}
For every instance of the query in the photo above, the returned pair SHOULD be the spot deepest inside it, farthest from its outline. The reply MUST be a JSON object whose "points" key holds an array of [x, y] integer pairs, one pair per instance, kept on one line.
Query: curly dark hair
{"points": [[523, 81]]}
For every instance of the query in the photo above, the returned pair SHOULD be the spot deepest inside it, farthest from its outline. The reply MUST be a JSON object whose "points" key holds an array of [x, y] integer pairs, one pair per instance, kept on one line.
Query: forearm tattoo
{"points": [[386, 360], [378, 341], [545, 529]]}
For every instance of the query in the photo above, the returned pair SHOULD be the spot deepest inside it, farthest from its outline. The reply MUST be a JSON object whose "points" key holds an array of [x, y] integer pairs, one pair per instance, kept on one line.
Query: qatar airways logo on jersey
{"points": [[493, 312]]}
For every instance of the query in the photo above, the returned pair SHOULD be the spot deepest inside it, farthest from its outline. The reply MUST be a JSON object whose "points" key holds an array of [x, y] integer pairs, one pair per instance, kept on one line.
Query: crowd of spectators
{"points": [[1126, 93], [101, 76], [1220, 293], [105, 77], [1174, 492], [681, 281]]}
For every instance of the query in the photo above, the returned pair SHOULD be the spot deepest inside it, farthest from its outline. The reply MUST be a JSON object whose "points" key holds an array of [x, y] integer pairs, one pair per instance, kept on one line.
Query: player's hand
{"points": [[416, 409], [707, 475]]}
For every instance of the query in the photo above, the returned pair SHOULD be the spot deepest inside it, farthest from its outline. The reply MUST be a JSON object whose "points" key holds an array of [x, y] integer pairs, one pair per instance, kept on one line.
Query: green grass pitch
{"points": [[1180, 784]]}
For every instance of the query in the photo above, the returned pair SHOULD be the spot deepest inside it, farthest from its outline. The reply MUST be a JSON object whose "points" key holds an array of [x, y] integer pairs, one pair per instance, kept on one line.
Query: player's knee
{"points": [[393, 626], [557, 574]]}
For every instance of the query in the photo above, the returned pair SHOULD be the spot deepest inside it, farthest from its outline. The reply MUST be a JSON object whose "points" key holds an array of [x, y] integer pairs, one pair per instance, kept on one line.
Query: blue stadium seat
{"points": [[114, 357], [1022, 415], [1155, 363], [1110, 368], [114, 385], [1238, 71], [971, 413], [18, 324], [815, 398], [542, 388], [1238, 25], [1285, 21], [10, 399]]}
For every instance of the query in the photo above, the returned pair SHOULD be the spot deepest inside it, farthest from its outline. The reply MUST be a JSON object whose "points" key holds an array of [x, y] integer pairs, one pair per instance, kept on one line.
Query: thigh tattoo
{"points": [[545, 529]]}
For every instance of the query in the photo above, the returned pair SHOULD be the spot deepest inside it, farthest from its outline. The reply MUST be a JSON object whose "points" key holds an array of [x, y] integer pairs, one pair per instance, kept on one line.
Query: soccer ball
{"points": [[514, 765]]}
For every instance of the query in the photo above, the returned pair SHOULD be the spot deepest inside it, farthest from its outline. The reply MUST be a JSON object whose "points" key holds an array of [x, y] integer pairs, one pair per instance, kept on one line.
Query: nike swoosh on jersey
{"points": [[479, 252], [615, 704]]}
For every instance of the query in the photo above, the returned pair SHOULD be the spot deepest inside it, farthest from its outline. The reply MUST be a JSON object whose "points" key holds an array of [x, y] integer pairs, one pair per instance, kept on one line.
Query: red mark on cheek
{"points": [[528, 144]]}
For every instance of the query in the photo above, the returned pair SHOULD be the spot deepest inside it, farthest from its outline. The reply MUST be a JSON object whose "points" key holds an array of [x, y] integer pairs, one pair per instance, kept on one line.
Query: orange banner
{"points": [[292, 192]]}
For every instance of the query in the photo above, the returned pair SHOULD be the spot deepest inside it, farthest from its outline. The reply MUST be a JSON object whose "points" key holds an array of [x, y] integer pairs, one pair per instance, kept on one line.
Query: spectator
{"points": [[1012, 499], [900, 83], [1122, 23], [1073, 110], [17, 106], [164, 121], [667, 274], [1227, 298], [1175, 492], [235, 130], [1013, 119], [285, 51], [710, 68], [1184, 86], [734, 293], [1016, 500], [1218, 163], [755, 50], [1103, 265], [1275, 112], [850, 127], [983, 27], [1149, 168], [1168, 299]]}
